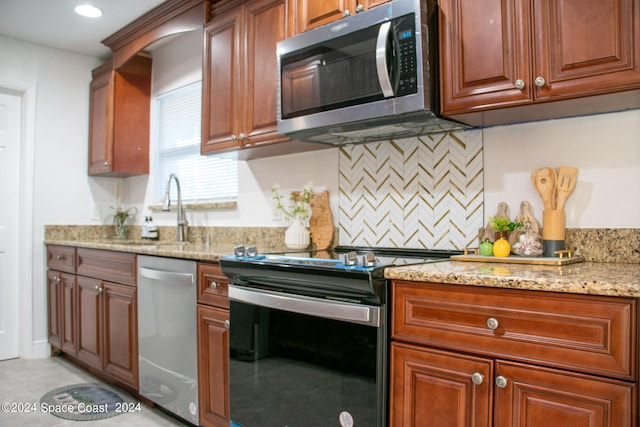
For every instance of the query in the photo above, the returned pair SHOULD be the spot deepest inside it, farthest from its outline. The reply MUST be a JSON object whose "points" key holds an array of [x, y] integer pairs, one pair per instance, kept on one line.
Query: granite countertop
{"points": [[189, 250], [595, 278]]}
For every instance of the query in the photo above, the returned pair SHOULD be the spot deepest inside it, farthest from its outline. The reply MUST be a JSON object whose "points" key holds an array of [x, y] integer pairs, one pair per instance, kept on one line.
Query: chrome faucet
{"points": [[181, 232]]}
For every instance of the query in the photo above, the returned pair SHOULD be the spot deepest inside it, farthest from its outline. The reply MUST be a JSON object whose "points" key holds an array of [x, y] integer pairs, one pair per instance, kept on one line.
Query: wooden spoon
{"points": [[566, 182], [544, 181]]}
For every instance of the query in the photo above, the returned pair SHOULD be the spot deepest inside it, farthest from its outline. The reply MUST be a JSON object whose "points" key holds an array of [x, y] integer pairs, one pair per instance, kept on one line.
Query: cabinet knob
{"points": [[56, 279], [98, 288], [492, 323], [227, 324], [234, 138], [214, 285], [242, 136], [359, 8], [477, 378], [106, 163], [520, 84], [540, 81], [501, 381], [346, 13], [60, 257]]}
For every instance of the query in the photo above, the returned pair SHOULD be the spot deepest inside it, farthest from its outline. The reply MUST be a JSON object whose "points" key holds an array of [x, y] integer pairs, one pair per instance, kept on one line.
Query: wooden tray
{"points": [[514, 259]]}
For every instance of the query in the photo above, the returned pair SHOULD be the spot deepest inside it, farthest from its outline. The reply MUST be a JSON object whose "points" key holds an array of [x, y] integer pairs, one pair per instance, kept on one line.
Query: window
{"points": [[202, 178]]}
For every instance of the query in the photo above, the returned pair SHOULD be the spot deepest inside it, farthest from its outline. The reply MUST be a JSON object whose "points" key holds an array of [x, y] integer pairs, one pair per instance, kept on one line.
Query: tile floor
{"points": [[28, 380]]}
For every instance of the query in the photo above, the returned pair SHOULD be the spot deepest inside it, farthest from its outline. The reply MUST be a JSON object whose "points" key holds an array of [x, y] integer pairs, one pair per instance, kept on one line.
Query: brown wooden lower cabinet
{"points": [[213, 346], [480, 357], [213, 365], [91, 318]]}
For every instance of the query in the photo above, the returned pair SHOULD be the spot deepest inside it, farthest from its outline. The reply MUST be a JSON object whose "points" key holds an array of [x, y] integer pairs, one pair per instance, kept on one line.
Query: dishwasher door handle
{"points": [[328, 309], [167, 276]]}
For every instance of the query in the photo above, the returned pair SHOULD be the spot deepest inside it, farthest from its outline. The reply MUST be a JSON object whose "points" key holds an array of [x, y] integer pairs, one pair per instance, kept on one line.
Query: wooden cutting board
{"points": [[321, 221]]}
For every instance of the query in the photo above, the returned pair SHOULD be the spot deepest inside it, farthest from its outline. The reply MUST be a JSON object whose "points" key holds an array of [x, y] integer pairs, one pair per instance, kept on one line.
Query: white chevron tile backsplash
{"points": [[424, 192]]}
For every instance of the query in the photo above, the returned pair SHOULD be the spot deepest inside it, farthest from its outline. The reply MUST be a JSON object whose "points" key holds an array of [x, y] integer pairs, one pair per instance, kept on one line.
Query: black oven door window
{"points": [[295, 370]]}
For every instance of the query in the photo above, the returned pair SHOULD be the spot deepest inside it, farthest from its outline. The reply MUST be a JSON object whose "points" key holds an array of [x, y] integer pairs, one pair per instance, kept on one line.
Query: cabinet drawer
{"points": [[213, 286], [61, 258], [584, 333], [118, 267]]}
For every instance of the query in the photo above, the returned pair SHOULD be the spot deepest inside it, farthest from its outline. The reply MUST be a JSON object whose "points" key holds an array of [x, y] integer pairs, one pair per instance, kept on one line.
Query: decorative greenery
{"points": [[298, 207], [121, 216], [503, 224]]}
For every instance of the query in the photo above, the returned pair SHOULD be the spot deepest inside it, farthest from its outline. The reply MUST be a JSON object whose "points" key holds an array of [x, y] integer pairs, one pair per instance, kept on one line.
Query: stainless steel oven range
{"points": [[308, 336]]}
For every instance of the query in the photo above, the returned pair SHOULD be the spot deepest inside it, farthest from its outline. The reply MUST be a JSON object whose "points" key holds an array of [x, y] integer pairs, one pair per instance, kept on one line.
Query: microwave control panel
{"points": [[405, 37]]}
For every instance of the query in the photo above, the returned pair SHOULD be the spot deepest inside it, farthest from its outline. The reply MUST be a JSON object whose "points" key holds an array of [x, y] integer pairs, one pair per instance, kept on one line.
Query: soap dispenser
{"points": [[144, 229], [152, 230]]}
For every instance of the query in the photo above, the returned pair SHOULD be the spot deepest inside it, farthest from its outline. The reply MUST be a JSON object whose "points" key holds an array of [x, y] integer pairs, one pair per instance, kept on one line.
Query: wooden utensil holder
{"points": [[553, 232]]}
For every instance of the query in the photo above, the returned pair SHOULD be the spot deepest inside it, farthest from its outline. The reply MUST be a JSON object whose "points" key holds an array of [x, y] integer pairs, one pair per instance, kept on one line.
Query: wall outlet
{"points": [[95, 214]]}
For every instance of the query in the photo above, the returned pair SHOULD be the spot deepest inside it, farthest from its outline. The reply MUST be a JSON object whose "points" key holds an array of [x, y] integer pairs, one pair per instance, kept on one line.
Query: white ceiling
{"points": [[53, 23]]}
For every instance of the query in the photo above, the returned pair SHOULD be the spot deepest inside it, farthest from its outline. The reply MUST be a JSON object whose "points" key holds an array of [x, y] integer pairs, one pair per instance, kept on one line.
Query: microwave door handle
{"points": [[381, 60]]}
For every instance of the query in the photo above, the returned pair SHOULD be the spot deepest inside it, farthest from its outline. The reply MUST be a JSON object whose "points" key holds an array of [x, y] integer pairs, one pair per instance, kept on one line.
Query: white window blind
{"points": [[202, 178]]}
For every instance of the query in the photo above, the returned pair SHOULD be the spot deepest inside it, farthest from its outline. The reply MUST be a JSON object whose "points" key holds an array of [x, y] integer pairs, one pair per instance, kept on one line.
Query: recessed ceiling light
{"points": [[88, 10]]}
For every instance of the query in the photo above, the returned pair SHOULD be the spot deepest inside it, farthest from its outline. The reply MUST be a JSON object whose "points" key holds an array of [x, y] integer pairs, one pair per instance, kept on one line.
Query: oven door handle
{"points": [[328, 309]]}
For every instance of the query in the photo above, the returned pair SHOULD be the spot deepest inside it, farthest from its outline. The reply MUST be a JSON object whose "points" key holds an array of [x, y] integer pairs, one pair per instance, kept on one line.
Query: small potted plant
{"points": [[119, 220], [297, 211], [503, 226]]}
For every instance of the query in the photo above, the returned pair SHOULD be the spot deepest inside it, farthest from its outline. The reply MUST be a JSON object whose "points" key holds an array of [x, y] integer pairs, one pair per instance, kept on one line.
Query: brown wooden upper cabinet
{"points": [[307, 14], [119, 119], [239, 76], [496, 54]]}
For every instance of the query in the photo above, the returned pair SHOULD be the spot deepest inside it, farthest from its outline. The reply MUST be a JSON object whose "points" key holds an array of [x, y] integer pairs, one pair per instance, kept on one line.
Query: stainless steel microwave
{"points": [[368, 77]]}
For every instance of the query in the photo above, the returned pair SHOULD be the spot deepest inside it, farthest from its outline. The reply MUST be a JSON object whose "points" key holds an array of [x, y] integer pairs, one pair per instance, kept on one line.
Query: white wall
{"points": [[61, 190], [177, 63], [605, 148]]}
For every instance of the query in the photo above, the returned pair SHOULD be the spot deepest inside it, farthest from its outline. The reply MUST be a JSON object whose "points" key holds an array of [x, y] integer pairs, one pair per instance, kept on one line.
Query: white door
{"points": [[10, 138]]}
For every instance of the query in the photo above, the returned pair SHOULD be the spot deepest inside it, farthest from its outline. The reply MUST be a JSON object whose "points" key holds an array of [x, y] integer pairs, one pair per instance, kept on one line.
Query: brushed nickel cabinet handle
{"points": [[477, 378], [520, 84], [501, 381], [540, 81], [492, 323]]}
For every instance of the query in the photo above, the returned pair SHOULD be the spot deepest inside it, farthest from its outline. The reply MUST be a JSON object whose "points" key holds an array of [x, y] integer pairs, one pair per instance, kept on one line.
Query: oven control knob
{"points": [[367, 259], [251, 251], [239, 250], [349, 258]]}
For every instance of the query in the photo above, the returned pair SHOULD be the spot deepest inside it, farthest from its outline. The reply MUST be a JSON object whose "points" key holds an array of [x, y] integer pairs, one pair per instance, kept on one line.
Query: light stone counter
{"points": [[615, 279], [194, 251]]}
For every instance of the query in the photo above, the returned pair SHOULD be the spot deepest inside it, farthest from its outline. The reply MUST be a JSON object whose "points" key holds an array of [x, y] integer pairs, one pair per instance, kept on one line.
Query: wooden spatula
{"points": [[544, 181], [565, 183]]}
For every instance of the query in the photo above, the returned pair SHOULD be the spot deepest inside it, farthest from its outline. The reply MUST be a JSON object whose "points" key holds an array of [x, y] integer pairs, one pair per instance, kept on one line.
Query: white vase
{"points": [[297, 235]]}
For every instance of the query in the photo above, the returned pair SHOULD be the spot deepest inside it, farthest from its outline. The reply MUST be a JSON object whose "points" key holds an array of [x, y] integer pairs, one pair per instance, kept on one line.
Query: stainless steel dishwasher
{"points": [[167, 341]]}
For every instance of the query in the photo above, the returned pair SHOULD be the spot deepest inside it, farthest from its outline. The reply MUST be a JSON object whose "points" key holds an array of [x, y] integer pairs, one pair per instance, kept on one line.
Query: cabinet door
{"points": [[265, 27], [437, 388], [89, 321], [53, 306], [586, 47], [120, 332], [68, 313], [101, 102], [484, 51], [309, 14], [535, 396], [213, 366], [221, 92]]}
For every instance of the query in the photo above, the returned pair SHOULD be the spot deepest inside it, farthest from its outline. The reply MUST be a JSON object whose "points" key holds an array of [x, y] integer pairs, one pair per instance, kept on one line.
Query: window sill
{"points": [[199, 206]]}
